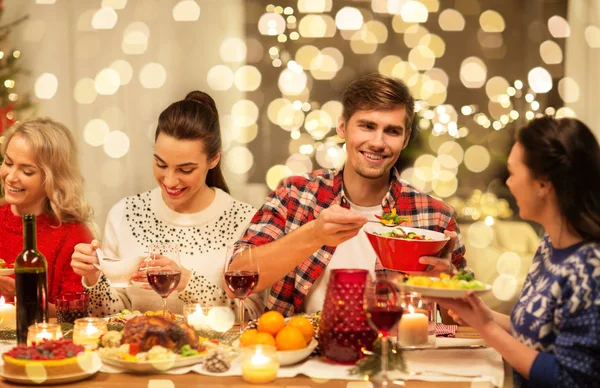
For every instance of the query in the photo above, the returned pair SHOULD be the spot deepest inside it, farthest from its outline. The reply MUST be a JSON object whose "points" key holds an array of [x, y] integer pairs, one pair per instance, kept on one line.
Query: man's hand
{"points": [[336, 225], [442, 263]]}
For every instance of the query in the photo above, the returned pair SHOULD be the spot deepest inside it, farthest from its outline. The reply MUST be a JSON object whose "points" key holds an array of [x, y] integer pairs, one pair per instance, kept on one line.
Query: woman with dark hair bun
{"points": [[191, 207], [552, 337]]}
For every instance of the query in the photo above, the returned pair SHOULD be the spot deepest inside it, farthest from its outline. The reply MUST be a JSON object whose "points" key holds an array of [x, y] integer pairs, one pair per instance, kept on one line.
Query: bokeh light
{"points": [[116, 144], [220, 77], [46, 86], [186, 11], [95, 132], [477, 158], [451, 20], [239, 160], [491, 21], [559, 27], [247, 78], [551, 52], [233, 50], [473, 72], [349, 18], [539, 80], [568, 90], [153, 76], [85, 91], [104, 19]]}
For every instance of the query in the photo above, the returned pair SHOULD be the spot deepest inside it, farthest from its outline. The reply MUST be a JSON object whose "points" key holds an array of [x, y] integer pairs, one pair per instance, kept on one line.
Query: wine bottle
{"points": [[31, 282]]}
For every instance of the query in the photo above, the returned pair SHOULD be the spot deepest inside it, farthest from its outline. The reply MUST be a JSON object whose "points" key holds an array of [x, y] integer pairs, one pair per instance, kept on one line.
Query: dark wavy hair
{"points": [[196, 118], [566, 153]]}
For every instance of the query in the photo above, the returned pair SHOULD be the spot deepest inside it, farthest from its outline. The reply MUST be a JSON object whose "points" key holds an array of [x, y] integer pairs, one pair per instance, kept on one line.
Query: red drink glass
{"points": [[71, 306]]}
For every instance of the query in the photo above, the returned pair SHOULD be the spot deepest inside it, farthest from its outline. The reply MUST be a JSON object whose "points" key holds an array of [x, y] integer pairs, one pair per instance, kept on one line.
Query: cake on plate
{"points": [[47, 359]]}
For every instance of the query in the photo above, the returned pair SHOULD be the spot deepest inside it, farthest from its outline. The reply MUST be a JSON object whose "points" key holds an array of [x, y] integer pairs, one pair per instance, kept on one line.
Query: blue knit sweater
{"points": [[558, 314]]}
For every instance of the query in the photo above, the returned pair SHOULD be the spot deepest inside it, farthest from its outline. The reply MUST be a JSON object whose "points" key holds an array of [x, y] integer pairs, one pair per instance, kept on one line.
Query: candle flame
{"points": [[420, 304], [2, 300], [411, 309]]}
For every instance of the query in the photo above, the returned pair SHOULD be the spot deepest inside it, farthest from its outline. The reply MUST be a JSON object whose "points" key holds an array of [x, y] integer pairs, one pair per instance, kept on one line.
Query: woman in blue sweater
{"points": [[552, 337]]}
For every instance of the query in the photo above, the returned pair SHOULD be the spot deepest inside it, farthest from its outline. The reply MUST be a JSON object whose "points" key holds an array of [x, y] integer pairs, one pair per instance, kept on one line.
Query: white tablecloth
{"points": [[483, 366]]}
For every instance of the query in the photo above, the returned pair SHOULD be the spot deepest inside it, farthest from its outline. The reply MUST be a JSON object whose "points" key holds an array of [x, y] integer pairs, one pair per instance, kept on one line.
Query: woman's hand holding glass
{"points": [[161, 263]]}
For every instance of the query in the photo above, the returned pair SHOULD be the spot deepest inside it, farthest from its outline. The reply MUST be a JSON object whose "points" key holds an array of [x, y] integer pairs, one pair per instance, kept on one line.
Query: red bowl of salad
{"points": [[400, 248]]}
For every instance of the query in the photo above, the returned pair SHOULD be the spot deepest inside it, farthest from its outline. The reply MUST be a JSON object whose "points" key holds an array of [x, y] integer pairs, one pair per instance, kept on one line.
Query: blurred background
{"points": [[479, 69]]}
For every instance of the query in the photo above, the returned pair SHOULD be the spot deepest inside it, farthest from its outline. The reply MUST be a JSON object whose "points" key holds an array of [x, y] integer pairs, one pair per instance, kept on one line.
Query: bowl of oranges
{"points": [[292, 337]]}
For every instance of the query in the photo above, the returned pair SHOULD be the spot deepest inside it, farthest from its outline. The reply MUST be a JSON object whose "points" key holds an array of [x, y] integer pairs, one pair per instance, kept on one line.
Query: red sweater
{"points": [[55, 243]]}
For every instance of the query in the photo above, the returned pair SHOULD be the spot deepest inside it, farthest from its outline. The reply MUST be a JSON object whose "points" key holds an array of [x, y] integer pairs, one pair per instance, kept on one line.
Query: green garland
{"points": [[370, 365]]}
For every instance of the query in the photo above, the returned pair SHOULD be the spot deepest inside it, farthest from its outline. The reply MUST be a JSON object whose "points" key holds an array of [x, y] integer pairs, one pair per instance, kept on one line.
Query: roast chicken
{"points": [[155, 330]]}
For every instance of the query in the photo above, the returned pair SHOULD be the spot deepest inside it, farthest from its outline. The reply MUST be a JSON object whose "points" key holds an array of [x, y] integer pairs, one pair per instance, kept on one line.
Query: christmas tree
{"points": [[11, 102]]}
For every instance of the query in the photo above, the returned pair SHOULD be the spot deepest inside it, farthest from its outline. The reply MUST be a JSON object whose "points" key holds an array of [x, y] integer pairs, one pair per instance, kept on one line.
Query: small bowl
{"points": [[403, 254], [119, 272], [290, 357]]}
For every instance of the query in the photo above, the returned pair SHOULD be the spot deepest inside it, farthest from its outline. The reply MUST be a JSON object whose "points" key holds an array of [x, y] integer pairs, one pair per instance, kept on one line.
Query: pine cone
{"points": [[216, 361]]}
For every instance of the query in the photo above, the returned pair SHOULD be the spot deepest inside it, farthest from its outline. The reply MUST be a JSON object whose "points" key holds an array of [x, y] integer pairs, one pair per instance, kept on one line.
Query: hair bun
{"points": [[202, 98]]}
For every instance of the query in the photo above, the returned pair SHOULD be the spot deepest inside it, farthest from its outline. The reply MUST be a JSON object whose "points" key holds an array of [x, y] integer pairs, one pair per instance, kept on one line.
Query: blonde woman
{"points": [[40, 175]]}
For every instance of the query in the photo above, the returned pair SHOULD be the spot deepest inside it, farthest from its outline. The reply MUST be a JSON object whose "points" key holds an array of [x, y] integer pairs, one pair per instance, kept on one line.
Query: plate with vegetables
{"points": [[446, 286], [6, 269], [153, 344]]}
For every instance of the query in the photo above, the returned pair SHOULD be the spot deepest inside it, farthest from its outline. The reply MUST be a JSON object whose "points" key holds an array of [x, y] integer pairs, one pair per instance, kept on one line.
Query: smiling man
{"points": [[310, 224]]}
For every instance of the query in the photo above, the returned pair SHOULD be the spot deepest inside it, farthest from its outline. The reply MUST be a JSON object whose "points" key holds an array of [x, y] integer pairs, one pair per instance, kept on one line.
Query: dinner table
{"points": [[129, 380]]}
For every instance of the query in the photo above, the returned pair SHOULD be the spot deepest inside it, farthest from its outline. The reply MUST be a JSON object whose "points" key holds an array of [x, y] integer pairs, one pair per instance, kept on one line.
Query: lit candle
{"points": [[87, 331], [413, 328], [261, 365], [40, 331], [195, 317], [8, 315]]}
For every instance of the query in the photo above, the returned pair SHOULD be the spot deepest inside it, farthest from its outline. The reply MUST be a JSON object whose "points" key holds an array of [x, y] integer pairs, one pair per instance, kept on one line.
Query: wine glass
{"points": [[169, 250], [383, 308], [241, 275], [164, 281]]}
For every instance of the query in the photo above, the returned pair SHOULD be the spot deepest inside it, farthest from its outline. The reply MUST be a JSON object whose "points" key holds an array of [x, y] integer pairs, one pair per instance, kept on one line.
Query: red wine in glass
{"points": [[241, 283], [384, 318], [164, 283]]}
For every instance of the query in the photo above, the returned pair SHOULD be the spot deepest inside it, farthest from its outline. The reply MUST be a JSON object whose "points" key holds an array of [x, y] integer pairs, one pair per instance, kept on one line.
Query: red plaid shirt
{"points": [[300, 199]]}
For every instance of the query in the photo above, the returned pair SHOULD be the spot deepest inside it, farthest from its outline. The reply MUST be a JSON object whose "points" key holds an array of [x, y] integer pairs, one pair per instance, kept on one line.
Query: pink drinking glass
{"points": [[344, 330]]}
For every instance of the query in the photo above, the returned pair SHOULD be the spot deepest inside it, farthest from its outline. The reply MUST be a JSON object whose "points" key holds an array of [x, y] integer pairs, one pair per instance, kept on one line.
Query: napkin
{"points": [[442, 330]]}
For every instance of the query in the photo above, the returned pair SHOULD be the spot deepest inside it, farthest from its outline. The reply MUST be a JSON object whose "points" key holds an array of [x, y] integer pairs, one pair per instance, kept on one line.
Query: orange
{"points": [[264, 339], [271, 322], [290, 338], [304, 326], [248, 337]]}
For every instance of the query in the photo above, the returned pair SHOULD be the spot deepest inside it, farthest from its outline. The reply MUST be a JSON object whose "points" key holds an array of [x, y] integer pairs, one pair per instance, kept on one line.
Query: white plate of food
{"points": [[152, 344], [154, 366], [444, 287]]}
